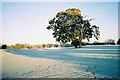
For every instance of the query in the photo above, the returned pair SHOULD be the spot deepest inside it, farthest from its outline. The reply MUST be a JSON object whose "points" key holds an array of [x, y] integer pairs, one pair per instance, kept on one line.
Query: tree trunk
{"points": [[80, 39], [80, 45], [75, 46]]}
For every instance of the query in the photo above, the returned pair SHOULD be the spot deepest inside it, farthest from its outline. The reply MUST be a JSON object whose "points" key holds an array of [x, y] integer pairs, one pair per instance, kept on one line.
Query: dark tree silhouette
{"points": [[4, 46], [118, 42]]}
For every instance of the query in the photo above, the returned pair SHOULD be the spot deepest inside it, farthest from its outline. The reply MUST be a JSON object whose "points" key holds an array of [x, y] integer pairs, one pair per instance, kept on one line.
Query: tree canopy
{"points": [[69, 25]]}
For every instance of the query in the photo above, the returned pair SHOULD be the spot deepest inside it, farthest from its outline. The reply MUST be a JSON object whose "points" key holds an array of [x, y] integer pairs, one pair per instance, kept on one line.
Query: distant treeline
{"points": [[98, 43], [28, 46]]}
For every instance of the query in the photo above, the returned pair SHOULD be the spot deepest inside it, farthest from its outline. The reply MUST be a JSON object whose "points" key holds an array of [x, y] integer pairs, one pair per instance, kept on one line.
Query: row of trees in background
{"points": [[107, 42], [28, 46], [75, 43]]}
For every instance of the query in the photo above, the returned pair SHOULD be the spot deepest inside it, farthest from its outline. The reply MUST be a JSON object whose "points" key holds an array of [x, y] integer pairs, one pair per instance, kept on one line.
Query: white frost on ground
{"points": [[16, 66], [90, 55]]}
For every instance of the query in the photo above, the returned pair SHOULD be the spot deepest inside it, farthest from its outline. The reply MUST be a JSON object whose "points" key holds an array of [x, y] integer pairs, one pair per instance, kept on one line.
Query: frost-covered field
{"points": [[86, 62]]}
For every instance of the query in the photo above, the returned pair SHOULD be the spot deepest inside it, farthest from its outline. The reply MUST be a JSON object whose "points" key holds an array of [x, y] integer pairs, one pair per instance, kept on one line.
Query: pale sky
{"points": [[26, 22]]}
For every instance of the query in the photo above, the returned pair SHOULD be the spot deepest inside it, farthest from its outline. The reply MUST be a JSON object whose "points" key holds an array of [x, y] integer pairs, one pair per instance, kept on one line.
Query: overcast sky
{"points": [[26, 22]]}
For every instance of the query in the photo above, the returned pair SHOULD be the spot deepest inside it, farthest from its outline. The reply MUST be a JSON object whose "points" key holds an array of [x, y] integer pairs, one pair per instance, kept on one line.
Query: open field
{"points": [[87, 62]]}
